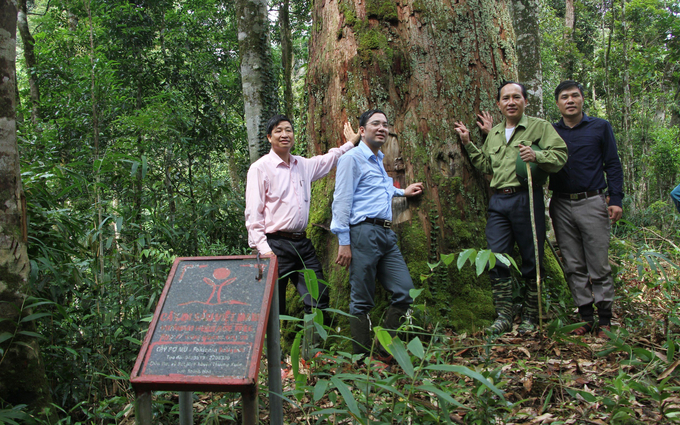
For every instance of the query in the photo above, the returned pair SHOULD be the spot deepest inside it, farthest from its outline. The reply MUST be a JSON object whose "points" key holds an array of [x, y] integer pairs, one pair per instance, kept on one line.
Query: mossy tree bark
{"points": [[22, 375], [427, 64]]}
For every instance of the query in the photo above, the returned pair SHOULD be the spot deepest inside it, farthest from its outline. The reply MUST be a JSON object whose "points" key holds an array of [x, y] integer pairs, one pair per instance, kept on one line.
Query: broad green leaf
{"points": [[398, 350], [482, 259], [447, 259], [346, 395], [415, 293], [328, 412], [502, 258], [469, 373], [416, 347], [312, 283], [133, 340], [320, 328], [72, 351], [5, 336], [320, 389], [34, 316], [31, 334], [384, 337], [464, 256], [433, 266], [585, 394], [442, 395]]}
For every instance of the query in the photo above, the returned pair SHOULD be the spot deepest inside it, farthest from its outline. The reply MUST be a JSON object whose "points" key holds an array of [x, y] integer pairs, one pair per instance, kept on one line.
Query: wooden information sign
{"points": [[208, 329]]}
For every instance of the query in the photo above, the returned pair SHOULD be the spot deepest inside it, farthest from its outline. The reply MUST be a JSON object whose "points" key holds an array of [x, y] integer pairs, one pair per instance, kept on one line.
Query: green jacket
{"points": [[498, 157]]}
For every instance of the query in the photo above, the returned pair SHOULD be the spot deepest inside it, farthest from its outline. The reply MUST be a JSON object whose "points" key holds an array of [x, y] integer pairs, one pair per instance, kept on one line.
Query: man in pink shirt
{"points": [[278, 192]]}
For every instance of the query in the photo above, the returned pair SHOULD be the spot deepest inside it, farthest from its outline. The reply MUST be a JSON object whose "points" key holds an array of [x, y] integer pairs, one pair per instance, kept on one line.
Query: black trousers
{"points": [[294, 256], [509, 222]]}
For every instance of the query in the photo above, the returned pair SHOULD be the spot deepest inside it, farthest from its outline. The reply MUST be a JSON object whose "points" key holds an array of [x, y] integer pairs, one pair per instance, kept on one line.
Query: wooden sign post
{"points": [[208, 332]]}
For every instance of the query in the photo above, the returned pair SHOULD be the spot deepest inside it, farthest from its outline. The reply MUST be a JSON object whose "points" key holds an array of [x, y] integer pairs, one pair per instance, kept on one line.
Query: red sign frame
{"points": [[143, 382]]}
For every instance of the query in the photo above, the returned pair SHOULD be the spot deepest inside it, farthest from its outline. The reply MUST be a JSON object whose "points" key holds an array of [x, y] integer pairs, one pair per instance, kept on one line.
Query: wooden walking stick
{"points": [[538, 260]]}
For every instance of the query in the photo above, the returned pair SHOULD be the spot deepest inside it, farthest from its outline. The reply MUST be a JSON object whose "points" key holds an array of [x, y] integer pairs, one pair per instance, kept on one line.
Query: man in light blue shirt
{"points": [[362, 214], [675, 196]]}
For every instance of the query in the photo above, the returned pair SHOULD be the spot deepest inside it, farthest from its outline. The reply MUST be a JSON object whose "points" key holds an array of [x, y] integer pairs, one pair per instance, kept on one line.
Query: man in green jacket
{"points": [[509, 219]]}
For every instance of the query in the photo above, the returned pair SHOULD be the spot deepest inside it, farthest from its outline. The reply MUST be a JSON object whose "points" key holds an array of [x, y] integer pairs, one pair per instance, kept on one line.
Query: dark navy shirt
{"points": [[592, 154]]}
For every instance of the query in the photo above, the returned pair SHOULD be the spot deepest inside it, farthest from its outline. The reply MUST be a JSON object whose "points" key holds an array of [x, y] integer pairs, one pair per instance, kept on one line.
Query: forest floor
{"points": [[546, 377]]}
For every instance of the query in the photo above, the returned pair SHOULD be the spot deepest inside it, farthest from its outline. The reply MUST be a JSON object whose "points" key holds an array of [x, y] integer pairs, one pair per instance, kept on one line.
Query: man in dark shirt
{"points": [[579, 209]]}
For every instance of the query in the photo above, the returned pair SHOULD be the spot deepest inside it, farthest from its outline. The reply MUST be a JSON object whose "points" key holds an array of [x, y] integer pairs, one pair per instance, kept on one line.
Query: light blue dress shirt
{"points": [[362, 190]]}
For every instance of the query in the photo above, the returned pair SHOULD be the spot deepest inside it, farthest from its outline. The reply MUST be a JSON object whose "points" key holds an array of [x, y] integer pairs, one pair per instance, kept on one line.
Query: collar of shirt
{"points": [[585, 120], [500, 128], [273, 157], [368, 153]]}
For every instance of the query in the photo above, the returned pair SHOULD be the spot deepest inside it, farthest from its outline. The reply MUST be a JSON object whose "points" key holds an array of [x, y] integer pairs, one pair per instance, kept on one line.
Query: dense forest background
{"points": [[134, 150]]}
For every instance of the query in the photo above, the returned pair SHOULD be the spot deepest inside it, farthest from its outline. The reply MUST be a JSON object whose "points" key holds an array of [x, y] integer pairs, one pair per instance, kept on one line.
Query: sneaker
{"points": [[500, 326], [601, 329], [379, 363], [582, 330]]}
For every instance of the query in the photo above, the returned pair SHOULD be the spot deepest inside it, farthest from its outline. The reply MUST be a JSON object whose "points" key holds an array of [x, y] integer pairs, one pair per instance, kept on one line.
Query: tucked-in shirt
{"points": [[278, 194], [362, 190], [592, 154], [498, 157]]}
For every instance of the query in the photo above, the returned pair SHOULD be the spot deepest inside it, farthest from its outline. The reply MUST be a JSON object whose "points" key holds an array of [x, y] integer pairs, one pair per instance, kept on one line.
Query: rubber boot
{"points": [[604, 313], [395, 316], [360, 329], [530, 310], [502, 300]]}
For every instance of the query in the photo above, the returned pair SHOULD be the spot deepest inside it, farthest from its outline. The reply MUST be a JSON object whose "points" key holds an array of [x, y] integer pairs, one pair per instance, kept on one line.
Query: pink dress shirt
{"points": [[278, 194]]}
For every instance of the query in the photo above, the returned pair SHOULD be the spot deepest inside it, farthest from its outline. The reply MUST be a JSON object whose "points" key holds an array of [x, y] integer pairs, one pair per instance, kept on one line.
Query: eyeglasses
{"points": [[379, 124]]}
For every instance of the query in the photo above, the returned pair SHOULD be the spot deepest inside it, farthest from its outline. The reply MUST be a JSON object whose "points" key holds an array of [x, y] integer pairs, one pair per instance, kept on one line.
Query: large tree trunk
{"points": [[22, 375], [259, 90], [426, 63], [525, 19]]}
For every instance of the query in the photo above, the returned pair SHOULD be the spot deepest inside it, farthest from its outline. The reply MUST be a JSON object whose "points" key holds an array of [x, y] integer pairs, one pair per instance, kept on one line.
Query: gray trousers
{"points": [[582, 230], [375, 254]]}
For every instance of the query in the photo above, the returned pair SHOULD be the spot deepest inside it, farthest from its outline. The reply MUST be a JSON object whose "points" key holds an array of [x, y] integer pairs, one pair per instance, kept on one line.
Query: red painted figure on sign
{"points": [[219, 274]]}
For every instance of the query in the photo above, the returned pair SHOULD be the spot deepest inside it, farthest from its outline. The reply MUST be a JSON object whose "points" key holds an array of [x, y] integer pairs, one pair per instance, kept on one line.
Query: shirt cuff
{"points": [[343, 238], [616, 200], [398, 192], [263, 248]]}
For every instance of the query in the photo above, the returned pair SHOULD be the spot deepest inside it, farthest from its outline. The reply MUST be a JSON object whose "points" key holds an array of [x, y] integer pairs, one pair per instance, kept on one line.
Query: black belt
{"points": [[296, 236], [379, 221], [508, 190], [581, 195]]}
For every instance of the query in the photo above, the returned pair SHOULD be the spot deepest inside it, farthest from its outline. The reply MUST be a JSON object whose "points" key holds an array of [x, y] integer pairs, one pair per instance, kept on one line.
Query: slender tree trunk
{"points": [[629, 156], [569, 38], [95, 129], [22, 375], [525, 19], [29, 57], [426, 63], [259, 88], [286, 58], [607, 60]]}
